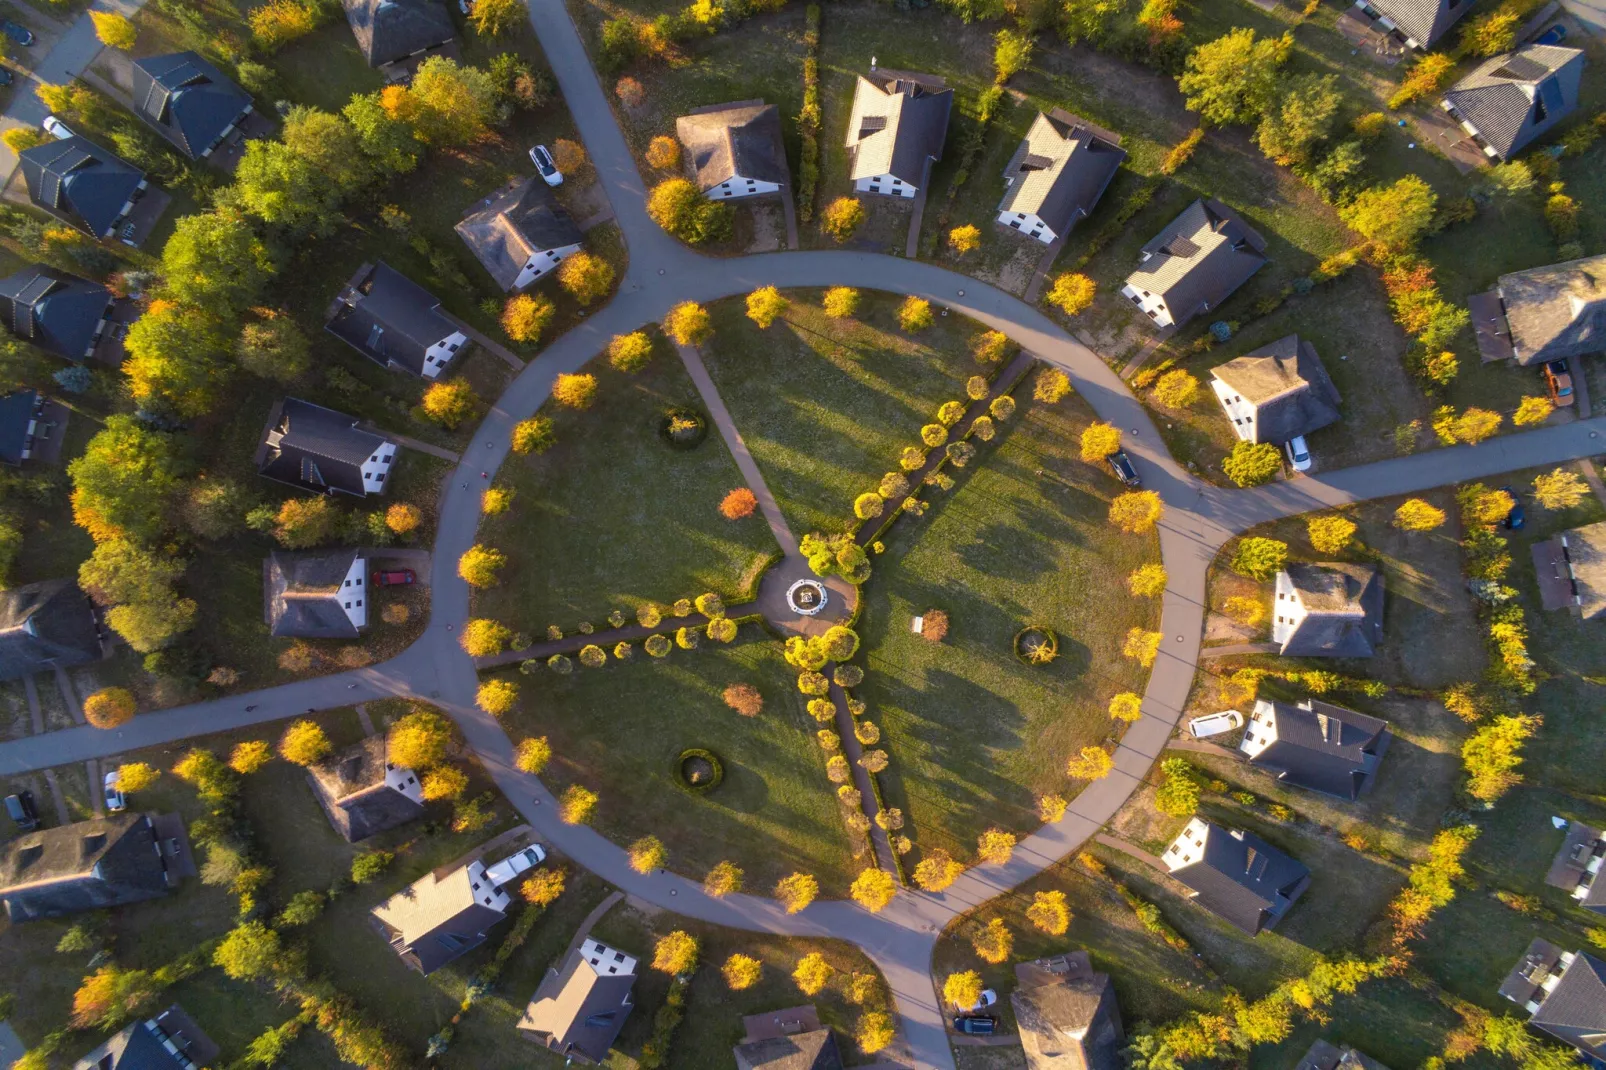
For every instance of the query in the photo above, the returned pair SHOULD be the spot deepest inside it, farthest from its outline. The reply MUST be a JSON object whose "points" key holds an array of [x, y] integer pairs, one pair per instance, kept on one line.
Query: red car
{"points": [[397, 577]]}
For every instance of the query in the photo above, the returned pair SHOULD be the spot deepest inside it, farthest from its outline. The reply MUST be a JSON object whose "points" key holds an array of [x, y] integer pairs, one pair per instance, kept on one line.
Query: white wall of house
{"points": [[886, 185], [404, 780], [737, 186], [1587, 880], [1152, 305], [1384, 21], [486, 894], [1027, 223], [607, 961], [1287, 610], [1188, 847], [1240, 412], [542, 262], [1261, 731], [437, 356], [377, 467], [354, 593]]}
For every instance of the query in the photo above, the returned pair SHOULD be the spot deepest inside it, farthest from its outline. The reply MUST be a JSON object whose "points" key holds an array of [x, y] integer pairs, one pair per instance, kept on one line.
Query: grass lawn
{"points": [[826, 406], [775, 812], [625, 518], [975, 734]]}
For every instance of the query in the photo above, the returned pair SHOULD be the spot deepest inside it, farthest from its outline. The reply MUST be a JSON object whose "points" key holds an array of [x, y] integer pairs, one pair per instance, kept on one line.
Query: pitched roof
{"points": [[84, 866], [352, 789], [1200, 259], [1288, 386], [899, 121], [1579, 847], [1320, 746], [315, 448], [389, 318], [46, 625], [1060, 169], [441, 915], [518, 223], [1069, 1021], [144, 1046], [17, 411], [725, 141], [302, 593], [1424, 21], [580, 1008], [57, 312], [814, 1050], [1325, 1056], [1586, 561], [1514, 98], [187, 97], [1523, 982], [1344, 610], [389, 30], [80, 183], [1558, 310], [1575, 1010], [1242, 879]]}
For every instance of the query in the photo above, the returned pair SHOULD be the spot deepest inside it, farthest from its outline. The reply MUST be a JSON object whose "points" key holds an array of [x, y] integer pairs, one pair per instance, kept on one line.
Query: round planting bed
{"points": [[698, 771], [807, 597], [1032, 641], [683, 428]]}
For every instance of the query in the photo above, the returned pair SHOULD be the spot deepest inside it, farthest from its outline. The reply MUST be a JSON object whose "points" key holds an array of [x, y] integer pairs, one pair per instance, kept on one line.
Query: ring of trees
{"points": [[683, 428], [699, 771], [1036, 644]]}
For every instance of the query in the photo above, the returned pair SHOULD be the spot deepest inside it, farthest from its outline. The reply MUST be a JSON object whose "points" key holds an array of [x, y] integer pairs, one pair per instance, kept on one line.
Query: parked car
{"points": [[1123, 468], [1298, 453], [21, 811], [17, 32], [1516, 518], [544, 164], [976, 1025], [466, 6], [56, 128], [988, 998], [114, 798], [395, 577], [511, 866], [1213, 724], [6, 77], [1553, 36], [1559, 381]]}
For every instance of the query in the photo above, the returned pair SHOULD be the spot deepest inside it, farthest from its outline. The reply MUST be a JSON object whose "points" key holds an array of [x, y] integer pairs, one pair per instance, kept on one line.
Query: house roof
{"points": [[189, 98], [730, 140], [814, 1050], [1578, 847], [17, 411], [438, 917], [1424, 21], [302, 593], [1288, 386], [1322, 747], [1513, 98], [1344, 610], [95, 863], [1586, 558], [1060, 169], [79, 182], [579, 1008], [1067, 1021], [1202, 257], [389, 30], [1243, 879], [315, 448], [389, 318], [1558, 310], [518, 223], [1325, 1056], [1575, 1010], [353, 792], [141, 1046], [1523, 982], [46, 625], [55, 311], [899, 121]]}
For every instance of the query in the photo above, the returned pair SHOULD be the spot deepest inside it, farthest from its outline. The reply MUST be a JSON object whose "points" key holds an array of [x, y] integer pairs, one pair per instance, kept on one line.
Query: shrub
{"points": [[989, 347], [1072, 293], [1533, 410], [933, 625], [1091, 763], [575, 391], [525, 316], [689, 324], [576, 805], [534, 435], [841, 302], [1330, 534], [842, 217], [630, 352], [663, 153], [532, 755], [110, 707], [368, 865], [1259, 558], [964, 239], [450, 404], [586, 277], [304, 743], [484, 638], [914, 314], [1001, 407], [1051, 385], [1418, 515], [1176, 389], [796, 891], [873, 889], [1182, 151], [1251, 464], [1137, 511], [1244, 610], [629, 92], [738, 503], [1127, 706]]}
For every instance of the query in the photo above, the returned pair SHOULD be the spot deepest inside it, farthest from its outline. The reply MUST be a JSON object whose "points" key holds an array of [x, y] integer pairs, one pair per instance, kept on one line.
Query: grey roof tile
{"points": [[518, 223], [1060, 170], [58, 312], [1514, 98], [390, 319], [80, 183], [1243, 879], [899, 122], [1320, 747], [1288, 386], [1200, 259], [1344, 610], [1556, 311], [391, 30], [730, 140]]}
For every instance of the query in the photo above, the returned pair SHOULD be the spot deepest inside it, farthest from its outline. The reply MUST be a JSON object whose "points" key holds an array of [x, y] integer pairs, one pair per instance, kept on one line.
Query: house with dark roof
{"points": [[519, 233], [22, 415], [1195, 264], [189, 102], [441, 915], [324, 451], [58, 312], [1416, 23], [579, 1009], [47, 625], [1276, 393], [1057, 175], [395, 322], [813, 1049], [1316, 746], [1509, 100], [315, 595], [896, 130], [1067, 1015], [82, 184], [1564, 993], [1329, 610], [1544, 313], [397, 31], [1325, 1056], [1576, 866], [364, 793], [735, 150], [102, 862], [1235, 875], [169, 1041]]}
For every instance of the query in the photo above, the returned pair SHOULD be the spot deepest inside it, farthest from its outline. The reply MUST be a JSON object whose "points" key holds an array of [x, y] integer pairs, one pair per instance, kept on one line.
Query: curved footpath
{"points": [[662, 273]]}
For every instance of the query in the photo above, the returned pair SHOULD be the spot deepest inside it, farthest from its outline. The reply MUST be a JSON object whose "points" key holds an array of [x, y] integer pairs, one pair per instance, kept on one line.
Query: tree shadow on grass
{"points": [[1003, 549]]}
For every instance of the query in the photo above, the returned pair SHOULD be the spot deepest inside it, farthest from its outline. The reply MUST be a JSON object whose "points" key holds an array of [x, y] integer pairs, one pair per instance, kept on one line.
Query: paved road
{"points": [[1199, 519]]}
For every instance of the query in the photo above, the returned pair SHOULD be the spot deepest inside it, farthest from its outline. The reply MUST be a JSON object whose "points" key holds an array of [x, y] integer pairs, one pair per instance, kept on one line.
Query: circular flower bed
{"points": [[699, 770], [1036, 645], [683, 429]]}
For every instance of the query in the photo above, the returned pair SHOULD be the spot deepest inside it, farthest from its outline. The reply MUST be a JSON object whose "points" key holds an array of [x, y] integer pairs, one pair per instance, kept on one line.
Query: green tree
{"points": [[1302, 117], [1252, 463], [493, 18], [281, 187], [1259, 558], [389, 142], [216, 261], [302, 523], [1494, 752], [1393, 215], [175, 359], [1178, 794], [126, 479], [1012, 51], [149, 626], [123, 571], [331, 145], [1233, 79], [249, 951], [450, 104], [677, 205], [273, 347]]}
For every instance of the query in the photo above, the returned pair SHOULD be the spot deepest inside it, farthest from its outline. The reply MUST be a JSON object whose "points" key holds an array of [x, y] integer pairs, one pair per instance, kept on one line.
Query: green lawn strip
{"points": [[1024, 539], [774, 813], [612, 517], [1388, 1020], [825, 405]]}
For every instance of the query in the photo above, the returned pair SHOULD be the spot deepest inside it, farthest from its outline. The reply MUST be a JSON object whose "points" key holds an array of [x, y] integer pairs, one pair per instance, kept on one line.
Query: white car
{"points": [[115, 802], [1214, 724], [56, 128], [466, 6], [544, 164], [1298, 453], [988, 998], [511, 866]]}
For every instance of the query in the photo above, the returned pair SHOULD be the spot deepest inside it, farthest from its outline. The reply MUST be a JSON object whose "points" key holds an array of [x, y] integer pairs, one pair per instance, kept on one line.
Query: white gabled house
{"points": [[896, 131], [735, 150], [520, 234]]}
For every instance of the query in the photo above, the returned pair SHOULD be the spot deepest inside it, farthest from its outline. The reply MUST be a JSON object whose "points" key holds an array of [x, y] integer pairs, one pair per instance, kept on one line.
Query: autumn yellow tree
{"points": [[419, 740], [1137, 511], [1330, 534], [1127, 706], [630, 352], [648, 854], [663, 153], [532, 755], [964, 239], [1072, 293], [1148, 581], [689, 324], [1091, 763], [1141, 646], [874, 1032], [765, 305], [483, 638], [797, 891], [450, 403], [576, 805], [1099, 440], [110, 707], [1559, 489], [995, 846], [586, 277], [1533, 410], [443, 782], [840, 302], [937, 870], [1417, 515], [403, 519], [136, 776], [114, 30], [1050, 808], [1176, 389], [575, 391], [479, 566], [842, 217], [962, 989], [873, 889], [675, 953], [741, 971], [813, 973], [1051, 385], [914, 314], [496, 501], [534, 435], [304, 743], [1049, 912], [543, 887], [497, 697], [994, 942], [724, 879], [525, 316]]}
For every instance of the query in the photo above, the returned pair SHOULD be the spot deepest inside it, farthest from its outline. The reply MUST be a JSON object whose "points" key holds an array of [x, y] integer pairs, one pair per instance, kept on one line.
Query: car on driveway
{"points": [[17, 32], [546, 165], [976, 1025], [115, 801], [1213, 724], [1516, 518], [56, 128], [1559, 382], [1298, 453], [395, 577], [1122, 468], [514, 864], [1553, 36], [20, 809]]}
